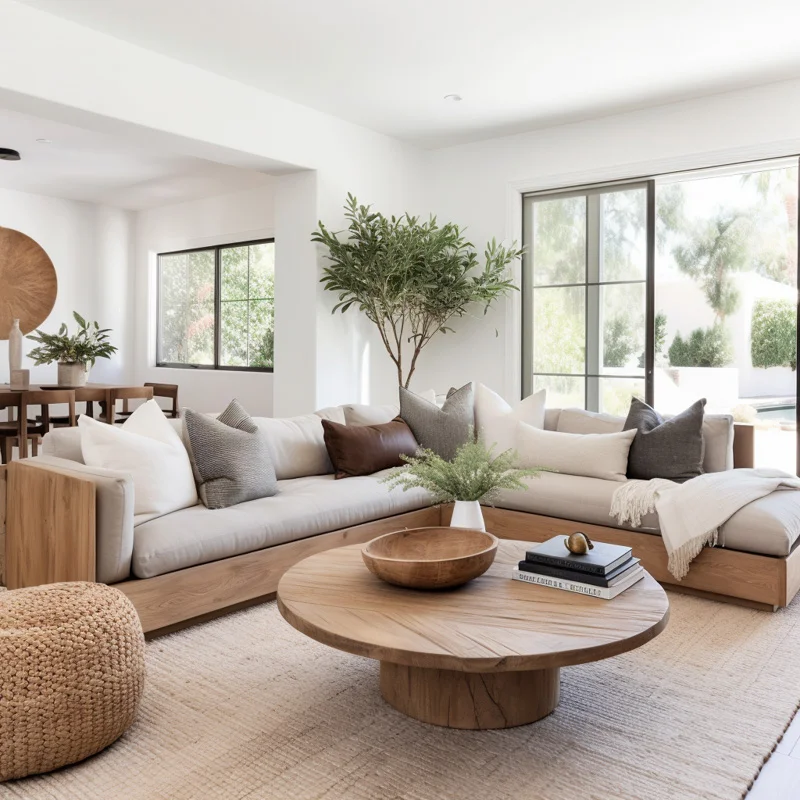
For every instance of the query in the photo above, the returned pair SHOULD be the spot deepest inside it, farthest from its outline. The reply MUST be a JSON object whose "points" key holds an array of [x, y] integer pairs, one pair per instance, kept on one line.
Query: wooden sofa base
{"points": [[764, 582], [178, 596], [50, 537]]}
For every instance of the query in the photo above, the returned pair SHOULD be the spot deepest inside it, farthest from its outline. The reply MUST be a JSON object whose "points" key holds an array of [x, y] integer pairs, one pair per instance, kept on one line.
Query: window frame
{"points": [[528, 285], [217, 250]]}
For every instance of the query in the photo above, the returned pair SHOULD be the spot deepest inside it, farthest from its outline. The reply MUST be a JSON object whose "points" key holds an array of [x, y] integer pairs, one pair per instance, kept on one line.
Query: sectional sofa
{"points": [[68, 521]]}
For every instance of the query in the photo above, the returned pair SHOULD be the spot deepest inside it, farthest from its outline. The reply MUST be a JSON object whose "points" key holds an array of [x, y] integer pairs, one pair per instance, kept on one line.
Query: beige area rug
{"points": [[246, 707]]}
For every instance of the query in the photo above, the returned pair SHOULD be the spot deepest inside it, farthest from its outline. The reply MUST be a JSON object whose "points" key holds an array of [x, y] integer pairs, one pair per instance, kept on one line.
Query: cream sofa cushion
{"points": [[767, 526], [593, 455], [303, 507], [573, 497], [361, 414], [717, 433], [333, 413], [296, 445], [147, 447], [496, 421]]}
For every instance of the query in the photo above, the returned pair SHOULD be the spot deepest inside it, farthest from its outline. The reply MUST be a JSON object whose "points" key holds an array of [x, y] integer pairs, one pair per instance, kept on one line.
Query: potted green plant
{"points": [[410, 278], [75, 355], [474, 476]]}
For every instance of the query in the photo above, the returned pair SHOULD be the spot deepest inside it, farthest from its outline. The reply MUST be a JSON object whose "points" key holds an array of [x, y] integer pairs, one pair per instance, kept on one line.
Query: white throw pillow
{"points": [[333, 413], [296, 445], [361, 414], [576, 420], [149, 449], [496, 421], [593, 455]]}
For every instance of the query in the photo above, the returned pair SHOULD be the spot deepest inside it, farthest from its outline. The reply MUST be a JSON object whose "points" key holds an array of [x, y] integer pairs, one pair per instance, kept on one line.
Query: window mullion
{"points": [[594, 344], [217, 305]]}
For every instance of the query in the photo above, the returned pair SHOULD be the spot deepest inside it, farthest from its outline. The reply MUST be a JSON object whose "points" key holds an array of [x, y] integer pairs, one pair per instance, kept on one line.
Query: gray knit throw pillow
{"points": [[671, 449], [444, 429], [230, 457]]}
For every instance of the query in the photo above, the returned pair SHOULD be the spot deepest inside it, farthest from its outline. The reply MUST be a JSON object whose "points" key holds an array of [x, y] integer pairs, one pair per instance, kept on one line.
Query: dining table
{"points": [[88, 393]]}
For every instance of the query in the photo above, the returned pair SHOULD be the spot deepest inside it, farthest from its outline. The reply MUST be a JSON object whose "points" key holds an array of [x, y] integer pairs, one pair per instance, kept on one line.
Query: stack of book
{"points": [[605, 571]]}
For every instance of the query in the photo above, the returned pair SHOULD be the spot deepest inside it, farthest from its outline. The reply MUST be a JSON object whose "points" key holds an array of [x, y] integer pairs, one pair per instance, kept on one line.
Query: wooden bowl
{"points": [[430, 558]]}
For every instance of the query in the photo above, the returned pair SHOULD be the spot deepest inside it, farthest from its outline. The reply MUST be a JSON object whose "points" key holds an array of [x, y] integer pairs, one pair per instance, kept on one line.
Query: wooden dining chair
{"points": [[124, 393], [166, 390], [19, 431]]}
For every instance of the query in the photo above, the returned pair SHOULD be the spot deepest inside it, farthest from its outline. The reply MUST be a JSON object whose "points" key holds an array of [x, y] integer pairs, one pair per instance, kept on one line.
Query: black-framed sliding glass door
{"points": [[671, 288], [587, 299]]}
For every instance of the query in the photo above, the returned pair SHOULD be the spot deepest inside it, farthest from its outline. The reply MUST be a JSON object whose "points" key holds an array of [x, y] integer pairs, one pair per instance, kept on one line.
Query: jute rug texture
{"points": [[247, 707]]}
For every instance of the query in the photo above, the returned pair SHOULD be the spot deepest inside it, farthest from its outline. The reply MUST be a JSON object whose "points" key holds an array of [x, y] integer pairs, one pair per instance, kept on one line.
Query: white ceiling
{"points": [[79, 164], [519, 64]]}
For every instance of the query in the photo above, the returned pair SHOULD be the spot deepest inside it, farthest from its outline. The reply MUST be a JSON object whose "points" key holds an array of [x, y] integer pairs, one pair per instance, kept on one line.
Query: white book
{"points": [[580, 588]]}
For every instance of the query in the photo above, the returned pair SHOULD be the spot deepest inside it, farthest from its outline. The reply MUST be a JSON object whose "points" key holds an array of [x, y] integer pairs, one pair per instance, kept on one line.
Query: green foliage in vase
{"points": [[705, 347], [410, 278], [85, 347], [773, 340], [475, 473]]}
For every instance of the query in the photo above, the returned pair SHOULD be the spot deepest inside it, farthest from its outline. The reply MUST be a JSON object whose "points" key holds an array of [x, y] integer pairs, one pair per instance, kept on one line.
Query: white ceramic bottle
{"points": [[14, 347]]}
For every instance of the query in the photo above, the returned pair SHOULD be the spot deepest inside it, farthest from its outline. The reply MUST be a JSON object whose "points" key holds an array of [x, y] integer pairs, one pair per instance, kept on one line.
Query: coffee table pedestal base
{"points": [[470, 700]]}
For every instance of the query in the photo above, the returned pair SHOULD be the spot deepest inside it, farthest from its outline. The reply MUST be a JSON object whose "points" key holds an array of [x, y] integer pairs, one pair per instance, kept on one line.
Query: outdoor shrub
{"points": [[773, 339], [705, 347]]}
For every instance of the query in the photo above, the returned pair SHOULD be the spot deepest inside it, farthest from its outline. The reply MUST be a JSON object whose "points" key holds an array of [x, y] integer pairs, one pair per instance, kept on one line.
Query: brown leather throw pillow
{"points": [[364, 449]]}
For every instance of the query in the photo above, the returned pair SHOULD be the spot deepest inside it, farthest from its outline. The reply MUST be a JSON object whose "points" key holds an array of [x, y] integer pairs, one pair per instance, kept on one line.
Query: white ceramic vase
{"points": [[467, 514], [72, 375], [14, 347]]}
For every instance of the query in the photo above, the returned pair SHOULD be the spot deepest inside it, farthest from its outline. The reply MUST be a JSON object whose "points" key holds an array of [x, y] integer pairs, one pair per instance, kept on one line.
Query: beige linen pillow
{"points": [[496, 420], [592, 455]]}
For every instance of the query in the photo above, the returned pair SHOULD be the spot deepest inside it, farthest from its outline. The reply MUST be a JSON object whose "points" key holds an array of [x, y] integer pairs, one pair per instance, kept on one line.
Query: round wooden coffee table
{"points": [[485, 655]]}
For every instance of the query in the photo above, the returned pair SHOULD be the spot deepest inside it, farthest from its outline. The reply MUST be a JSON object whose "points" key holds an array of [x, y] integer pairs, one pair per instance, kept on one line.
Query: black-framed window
{"points": [[586, 304], [216, 307], [716, 315]]}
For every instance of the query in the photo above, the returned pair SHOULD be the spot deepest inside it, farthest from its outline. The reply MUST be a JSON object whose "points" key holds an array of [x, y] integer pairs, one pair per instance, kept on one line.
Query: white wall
{"points": [[61, 70], [236, 217], [90, 247], [479, 185], [50, 66]]}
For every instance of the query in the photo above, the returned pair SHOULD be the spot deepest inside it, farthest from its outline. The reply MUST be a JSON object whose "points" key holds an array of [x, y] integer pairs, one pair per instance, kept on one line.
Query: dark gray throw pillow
{"points": [[444, 429], [230, 457], [671, 448]]}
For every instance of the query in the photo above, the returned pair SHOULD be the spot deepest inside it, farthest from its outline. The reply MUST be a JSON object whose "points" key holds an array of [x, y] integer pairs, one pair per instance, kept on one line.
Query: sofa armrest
{"points": [[67, 521]]}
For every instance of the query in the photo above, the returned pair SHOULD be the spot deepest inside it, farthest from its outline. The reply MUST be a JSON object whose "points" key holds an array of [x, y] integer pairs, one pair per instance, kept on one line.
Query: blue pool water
{"points": [[778, 412]]}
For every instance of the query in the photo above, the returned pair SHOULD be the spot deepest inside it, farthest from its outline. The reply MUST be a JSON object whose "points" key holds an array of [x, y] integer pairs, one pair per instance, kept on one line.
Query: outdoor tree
{"points": [[777, 251], [410, 278], [715, 249]]}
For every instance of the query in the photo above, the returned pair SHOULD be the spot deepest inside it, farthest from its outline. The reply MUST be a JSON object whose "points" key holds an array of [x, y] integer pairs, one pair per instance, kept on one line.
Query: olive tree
{"points": [[410, 278]]}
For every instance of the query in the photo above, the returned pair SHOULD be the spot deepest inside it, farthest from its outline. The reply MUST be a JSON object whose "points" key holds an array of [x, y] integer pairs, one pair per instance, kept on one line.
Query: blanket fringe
{"points": [[635, 499], [680, 559]]}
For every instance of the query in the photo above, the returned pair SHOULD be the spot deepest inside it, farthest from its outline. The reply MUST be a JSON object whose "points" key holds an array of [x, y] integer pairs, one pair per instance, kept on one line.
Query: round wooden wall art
{"points": [[28, 283]]}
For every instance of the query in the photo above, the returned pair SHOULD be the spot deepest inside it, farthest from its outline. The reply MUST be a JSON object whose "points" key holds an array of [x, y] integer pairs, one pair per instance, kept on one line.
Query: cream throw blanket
{"points": [[690, 514]]}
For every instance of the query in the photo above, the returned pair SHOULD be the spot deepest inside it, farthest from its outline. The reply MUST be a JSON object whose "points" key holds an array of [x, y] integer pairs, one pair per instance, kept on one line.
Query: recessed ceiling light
{"points": [[45, 141], [6, 154], [453, 98]]}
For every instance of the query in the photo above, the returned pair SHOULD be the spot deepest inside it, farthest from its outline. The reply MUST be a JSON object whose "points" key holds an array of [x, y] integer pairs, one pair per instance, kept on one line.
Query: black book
{"points": [[580, 577], [602, 559]]}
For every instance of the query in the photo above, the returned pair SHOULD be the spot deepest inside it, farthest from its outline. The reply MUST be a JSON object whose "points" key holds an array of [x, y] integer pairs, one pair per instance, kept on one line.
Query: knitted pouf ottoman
{"points": [[71, 674]]}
